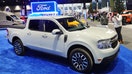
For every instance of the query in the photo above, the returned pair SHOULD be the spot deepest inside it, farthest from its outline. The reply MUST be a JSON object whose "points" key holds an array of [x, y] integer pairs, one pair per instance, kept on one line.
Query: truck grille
{"points": [[114, 44], [114, 41]]}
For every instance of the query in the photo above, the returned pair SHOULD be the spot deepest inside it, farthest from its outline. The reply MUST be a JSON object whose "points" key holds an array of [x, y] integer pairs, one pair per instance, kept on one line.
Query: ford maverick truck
{"points": [[65, 36]]}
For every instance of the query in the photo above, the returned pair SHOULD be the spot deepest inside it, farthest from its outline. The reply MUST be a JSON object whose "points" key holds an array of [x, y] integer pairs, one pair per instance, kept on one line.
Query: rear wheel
{"points": [[124, 18], [18, 47], [80, 60]]}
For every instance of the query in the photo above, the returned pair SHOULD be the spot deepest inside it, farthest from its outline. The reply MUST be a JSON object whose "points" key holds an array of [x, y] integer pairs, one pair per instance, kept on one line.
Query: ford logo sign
{"points": [[42, 7]]}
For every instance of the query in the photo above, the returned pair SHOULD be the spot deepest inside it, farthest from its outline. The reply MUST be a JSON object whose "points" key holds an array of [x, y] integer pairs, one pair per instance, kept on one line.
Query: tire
{"points": [[18, 47], [81, 60], [131, 21]]}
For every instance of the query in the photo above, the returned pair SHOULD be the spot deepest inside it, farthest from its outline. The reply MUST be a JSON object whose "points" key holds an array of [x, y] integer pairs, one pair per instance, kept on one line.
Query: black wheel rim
{"points": [[80, 61], [18, 47]]}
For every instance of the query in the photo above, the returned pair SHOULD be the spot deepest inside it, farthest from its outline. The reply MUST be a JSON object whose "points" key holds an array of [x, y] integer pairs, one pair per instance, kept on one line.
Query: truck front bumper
{"points": [[111, 58]]}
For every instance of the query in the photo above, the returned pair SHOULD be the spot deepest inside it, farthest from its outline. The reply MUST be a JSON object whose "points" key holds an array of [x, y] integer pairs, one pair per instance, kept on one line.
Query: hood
{"points": [[125, 14], [19, 21], [96, 33]]}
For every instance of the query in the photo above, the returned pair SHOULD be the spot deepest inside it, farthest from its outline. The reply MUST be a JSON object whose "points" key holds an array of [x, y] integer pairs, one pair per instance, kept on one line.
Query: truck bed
{"points": [[21, 26], [18, 26]]}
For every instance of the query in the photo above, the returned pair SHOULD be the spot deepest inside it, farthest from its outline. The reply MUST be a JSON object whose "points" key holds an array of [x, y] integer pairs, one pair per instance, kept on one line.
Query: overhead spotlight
{"points": [[3, 1], [16, 0], [17, 7]]}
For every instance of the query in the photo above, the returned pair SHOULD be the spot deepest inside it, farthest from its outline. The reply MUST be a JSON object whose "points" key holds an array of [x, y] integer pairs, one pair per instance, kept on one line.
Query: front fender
{"points": [[88, 46]]}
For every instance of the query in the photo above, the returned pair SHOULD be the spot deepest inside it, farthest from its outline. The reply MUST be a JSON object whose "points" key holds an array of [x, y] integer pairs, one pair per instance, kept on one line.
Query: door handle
{"points": [[44, 36], [29, 33]]}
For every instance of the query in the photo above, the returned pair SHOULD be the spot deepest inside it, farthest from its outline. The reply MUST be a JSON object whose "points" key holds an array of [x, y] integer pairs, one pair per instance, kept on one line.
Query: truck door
{"points": [[50, 41], [9, 21], [5, 21], [33, 36], [41, 38]]}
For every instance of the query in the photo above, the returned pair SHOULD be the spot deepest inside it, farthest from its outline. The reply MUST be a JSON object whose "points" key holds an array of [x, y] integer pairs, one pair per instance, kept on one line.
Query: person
{"points": [[91, 17], [117, 20], [110, 17], [104, 19]]}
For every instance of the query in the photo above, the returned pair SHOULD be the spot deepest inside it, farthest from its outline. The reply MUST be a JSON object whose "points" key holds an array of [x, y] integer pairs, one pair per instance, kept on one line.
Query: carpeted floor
{"points": [[41, 63]]}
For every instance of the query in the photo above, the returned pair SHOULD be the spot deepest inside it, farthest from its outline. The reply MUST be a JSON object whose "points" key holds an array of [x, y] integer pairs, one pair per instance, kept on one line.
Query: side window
{"points": [[9, 18], [37, 25], [50, 25]]}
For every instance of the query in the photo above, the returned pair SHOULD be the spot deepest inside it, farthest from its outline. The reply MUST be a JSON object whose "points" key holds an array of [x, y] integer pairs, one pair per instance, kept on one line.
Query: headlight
{"points": [[104, 44]]}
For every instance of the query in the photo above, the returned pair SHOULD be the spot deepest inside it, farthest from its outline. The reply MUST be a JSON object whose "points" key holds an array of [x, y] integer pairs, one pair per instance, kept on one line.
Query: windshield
{"points": [[14, 17], [71, 24]]}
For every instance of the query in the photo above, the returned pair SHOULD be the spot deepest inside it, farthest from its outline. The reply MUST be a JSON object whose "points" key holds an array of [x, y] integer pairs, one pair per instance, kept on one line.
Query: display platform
{"points": [[41, 63]]}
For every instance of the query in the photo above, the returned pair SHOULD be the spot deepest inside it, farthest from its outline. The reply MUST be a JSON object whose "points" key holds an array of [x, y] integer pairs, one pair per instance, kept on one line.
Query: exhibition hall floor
{"points": [[41, 63]]}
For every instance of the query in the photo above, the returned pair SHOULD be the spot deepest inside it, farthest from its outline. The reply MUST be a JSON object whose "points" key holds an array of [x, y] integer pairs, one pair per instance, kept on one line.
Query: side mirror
{"points": [[56, 31], [14, 24]]}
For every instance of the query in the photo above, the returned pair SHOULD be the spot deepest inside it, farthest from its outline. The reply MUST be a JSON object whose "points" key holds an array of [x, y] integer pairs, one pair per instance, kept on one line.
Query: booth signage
{"points": [[40, 7]]}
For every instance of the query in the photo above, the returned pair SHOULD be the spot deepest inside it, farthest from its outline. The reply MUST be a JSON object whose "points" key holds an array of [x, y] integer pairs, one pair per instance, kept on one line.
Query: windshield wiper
{"points": [[87, 26], [81, 28]]}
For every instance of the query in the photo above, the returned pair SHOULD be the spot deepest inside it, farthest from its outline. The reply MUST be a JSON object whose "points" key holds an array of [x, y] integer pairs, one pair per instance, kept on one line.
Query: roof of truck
{"points": [[8, 13], [43, 17]]}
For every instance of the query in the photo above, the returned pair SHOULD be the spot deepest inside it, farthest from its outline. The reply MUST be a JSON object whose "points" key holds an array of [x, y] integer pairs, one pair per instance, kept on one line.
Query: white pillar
{"points": [[97, 6]]}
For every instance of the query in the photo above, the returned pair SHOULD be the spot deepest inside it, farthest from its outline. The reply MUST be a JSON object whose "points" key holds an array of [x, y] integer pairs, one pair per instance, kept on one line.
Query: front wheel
{"points": [[131, 21], [81, 60], [18, 47]]}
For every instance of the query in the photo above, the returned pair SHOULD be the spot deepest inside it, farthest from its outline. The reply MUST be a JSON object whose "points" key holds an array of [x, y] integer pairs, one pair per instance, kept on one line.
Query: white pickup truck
{"points": [[66, 36]]}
